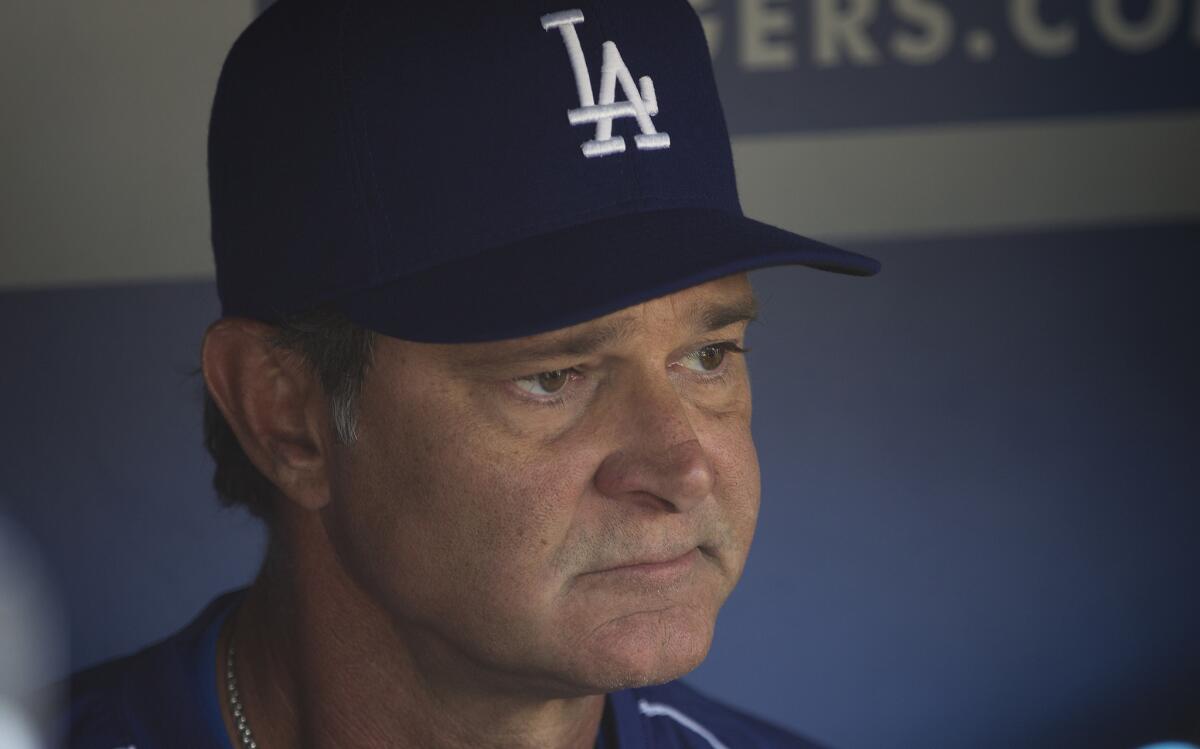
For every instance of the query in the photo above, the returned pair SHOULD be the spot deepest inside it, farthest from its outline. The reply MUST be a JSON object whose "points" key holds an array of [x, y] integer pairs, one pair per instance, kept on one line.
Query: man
{"points": [[480, 370]]}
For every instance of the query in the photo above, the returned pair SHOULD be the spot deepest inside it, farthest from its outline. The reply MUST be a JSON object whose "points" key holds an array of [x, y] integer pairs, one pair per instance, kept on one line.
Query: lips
{"points": [[656, 565]]}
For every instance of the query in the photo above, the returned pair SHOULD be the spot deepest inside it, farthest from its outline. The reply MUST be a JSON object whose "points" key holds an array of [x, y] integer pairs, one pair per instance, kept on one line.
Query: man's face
{"points": [[565, 512]]}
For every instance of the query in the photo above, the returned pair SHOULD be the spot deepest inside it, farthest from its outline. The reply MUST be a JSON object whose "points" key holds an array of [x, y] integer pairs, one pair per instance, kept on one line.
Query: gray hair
{"points": [[339, 353]]}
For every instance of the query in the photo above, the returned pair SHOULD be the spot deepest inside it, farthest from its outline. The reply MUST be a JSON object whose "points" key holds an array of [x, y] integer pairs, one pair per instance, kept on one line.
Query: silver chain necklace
{"points": [[235, 703]]}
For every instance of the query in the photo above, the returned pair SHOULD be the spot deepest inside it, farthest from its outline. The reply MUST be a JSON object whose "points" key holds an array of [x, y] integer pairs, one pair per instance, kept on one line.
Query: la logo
{"points": [[640, 104]]}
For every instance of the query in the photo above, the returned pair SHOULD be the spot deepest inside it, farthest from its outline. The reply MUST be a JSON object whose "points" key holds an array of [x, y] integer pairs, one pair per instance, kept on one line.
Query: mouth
{"points": [[663, 568]]}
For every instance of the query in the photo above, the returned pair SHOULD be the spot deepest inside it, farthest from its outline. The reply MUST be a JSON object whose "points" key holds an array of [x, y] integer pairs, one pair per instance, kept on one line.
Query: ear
{"points": [[274, 405]]}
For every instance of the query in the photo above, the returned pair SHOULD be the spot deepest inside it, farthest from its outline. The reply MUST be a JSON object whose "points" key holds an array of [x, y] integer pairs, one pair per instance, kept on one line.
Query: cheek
{"points": [[439, 512], [731, 447]]}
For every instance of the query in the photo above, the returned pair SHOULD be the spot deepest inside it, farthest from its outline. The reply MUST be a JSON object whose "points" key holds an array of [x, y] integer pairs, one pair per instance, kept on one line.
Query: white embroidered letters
{"points": [[640, 103]]}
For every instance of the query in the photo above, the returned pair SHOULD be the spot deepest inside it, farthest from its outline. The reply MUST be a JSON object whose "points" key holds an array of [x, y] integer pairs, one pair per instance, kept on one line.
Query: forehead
{"points": [[703, 308]]}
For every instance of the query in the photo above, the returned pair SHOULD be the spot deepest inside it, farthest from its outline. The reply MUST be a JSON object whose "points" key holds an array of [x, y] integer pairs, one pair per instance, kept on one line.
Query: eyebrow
{"points": [[706, 317], [714, 316]]}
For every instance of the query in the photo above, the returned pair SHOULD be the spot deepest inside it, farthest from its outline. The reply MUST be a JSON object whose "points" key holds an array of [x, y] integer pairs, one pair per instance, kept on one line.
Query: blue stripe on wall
{"points": [[979, 515], [105, 464]]}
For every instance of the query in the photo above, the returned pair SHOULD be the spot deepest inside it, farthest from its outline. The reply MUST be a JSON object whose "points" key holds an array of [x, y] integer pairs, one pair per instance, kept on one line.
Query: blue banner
{"points": [[788, 65]]}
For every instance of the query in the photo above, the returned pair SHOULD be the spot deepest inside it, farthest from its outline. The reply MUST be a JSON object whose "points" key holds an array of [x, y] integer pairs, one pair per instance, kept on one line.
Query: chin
{"points": [[644, 648]]}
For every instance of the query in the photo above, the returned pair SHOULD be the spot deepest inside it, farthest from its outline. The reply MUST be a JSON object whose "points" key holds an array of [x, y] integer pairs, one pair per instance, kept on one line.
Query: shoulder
{"points": [[679, 716], [152, 698], [103, 710]]}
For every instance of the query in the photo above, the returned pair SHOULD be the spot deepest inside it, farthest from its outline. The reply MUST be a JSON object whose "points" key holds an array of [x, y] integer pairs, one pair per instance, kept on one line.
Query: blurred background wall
{"points": [[981, 502]]}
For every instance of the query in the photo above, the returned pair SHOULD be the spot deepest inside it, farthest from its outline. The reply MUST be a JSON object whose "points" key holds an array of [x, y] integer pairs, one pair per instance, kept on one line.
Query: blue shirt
{"points": [[166, 697]]}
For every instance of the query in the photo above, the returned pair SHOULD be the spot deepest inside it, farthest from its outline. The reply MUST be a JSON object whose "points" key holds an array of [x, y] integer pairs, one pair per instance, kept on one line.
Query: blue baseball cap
{"points": [[454, 172]]}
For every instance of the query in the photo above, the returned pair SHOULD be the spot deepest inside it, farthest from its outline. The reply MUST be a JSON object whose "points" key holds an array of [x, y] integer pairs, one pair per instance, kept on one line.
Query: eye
{"points": [[711, 357], [545, 383]]}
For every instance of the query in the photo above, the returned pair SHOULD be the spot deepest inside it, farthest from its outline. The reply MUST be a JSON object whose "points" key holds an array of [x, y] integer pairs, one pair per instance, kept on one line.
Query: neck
{"points": [[319, 664]]}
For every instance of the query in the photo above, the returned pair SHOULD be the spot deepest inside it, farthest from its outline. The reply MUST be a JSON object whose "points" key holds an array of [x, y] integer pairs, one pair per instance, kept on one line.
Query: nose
{"points": [[661, 462]]}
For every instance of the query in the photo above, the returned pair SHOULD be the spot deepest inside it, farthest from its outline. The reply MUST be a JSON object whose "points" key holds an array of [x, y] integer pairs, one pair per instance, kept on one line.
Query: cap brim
{"points": [[583, 272]]}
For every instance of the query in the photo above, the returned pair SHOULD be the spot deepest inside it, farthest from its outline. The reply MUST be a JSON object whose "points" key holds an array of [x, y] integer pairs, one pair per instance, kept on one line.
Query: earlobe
{"points": [[273, 404]]}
